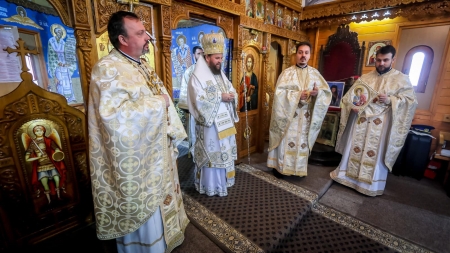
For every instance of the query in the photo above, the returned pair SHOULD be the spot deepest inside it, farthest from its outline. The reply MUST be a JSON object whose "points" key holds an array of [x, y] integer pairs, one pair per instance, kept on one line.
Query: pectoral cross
{"points": [[130, 2], [22, 51]]}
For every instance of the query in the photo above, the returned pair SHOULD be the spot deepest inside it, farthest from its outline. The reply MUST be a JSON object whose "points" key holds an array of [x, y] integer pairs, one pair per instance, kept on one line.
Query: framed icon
{"points": [[329, 129], [360, 95], [337, 91], [373, 47]]}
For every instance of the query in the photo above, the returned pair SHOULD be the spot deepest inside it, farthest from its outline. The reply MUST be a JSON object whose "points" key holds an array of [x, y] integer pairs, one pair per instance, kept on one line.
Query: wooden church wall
{"points": [[390, 29]]}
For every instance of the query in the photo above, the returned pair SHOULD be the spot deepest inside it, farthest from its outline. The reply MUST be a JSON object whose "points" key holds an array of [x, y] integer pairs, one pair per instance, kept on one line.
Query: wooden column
{"points": [[85, 36], [165, 42]]}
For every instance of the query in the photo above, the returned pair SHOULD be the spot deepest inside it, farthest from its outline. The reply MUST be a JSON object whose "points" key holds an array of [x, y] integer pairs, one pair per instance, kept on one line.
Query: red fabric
{"points": [[339, 63], [334, 109], [241, 92], [60, 167], [429, 173], [362, 100]]}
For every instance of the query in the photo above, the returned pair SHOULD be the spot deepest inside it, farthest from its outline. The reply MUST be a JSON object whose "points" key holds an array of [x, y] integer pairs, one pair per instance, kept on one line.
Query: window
{"points": [[417, 66], [30, 65]]}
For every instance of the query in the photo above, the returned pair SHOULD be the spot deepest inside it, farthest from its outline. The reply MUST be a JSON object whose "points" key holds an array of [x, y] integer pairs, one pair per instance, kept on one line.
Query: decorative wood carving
{"points": [[179, 11], [267, 40], [240, 39], [411, 11], [283, 42], [438, 8], [250, 39], [166, 20], [339, 8], [265, 90], [24, 208], [166, 42], [84, 46], [83, 172], [167, 78], [297, 6], [343, 35], [226, 22], [272, 29], [223, 5], [182, 10], [237, 57], [81, 17], [62, 8], [103, 9]]}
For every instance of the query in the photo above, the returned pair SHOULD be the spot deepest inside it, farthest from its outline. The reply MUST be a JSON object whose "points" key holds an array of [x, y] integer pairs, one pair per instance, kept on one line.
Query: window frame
{"points": [[426, 66]]}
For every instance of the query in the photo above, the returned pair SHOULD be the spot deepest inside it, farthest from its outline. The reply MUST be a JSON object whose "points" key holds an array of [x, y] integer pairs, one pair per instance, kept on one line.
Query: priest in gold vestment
{"points": [[133, 134], [371, 138], [212, 102], [301, 101]]}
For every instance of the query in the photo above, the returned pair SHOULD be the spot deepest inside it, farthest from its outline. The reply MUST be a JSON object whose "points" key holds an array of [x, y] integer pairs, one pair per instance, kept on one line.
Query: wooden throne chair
{"points": [[341, 60], [44, 179], [342, 57]]}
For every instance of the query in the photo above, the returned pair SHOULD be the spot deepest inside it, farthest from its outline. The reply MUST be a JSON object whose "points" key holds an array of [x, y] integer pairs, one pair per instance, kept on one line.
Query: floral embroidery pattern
{"points": [[357, 150]]}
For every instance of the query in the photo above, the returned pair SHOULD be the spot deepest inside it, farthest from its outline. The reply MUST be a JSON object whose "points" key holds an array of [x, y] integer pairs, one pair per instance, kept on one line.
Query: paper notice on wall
{"points": [[10, 66]]}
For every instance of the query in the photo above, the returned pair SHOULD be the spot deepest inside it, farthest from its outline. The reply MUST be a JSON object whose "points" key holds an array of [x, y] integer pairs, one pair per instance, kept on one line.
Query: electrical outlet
{"points": [[446, 118]]}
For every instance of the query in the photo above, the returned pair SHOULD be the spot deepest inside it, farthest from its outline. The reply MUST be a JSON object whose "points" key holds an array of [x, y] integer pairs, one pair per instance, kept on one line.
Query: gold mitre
{"points": [[213, 43]]}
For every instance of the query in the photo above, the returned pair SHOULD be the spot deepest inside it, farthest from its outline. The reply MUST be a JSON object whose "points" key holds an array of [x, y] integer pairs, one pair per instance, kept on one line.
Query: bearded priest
{"points": [[212, 102], [134, 131], [370, 139], [301, 101]]}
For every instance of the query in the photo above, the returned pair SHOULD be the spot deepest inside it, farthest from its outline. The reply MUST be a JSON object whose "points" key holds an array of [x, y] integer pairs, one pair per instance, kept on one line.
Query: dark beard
{"points": [[385, 70], [214, 70]]}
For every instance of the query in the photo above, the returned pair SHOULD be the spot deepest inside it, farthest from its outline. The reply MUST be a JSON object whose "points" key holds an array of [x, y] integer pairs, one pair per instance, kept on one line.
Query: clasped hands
{"points": [[227, 97], [313, 93]]}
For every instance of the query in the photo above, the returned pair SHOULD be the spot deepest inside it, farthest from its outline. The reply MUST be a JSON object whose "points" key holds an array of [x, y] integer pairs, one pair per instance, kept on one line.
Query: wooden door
{"points": [[250, 103]]}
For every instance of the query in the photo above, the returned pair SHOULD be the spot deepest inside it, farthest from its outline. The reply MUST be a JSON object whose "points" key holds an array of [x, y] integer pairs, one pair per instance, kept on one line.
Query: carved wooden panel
{"points": [[267, 94], [81, 17], [412, 11], [182, 10], [326, 10], [240, 39], [166, 42], [40, 198], [103, 10], [252, 38], [293, 5], [272, 29], [166, 20], [63, 11], [245, 146], [283, 42], [223, 5]]}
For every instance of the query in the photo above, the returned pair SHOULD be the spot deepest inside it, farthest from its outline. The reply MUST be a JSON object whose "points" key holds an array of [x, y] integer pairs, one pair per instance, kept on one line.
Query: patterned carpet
{"points": [[264, 214]]}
